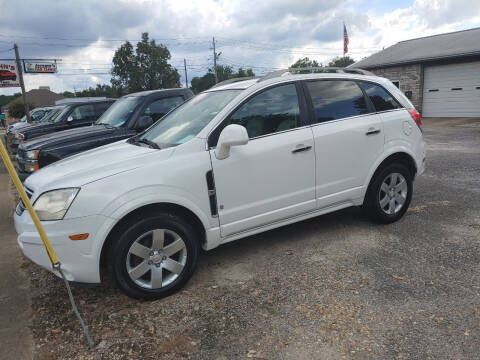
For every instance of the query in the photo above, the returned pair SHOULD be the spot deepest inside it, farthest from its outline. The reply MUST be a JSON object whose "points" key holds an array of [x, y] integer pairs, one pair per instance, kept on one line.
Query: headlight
{"points": [[53, 205], [32, 154]]}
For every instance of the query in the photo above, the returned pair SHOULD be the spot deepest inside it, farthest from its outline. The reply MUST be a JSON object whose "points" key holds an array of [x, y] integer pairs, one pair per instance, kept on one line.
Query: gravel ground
{"points": [[332, 287]]}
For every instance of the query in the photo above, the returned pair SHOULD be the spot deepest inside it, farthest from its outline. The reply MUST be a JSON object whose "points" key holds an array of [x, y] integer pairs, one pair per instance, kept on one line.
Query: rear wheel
{"points": [[389, 193], [154, 256]]}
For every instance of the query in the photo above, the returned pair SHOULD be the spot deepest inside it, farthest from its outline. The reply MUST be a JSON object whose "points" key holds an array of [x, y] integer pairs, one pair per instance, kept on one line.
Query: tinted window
{"points": [[380, 98], [38, 115], [336, 99], [100, 108], [271, 111], [120, 112], [83, 112], [160, 107]]}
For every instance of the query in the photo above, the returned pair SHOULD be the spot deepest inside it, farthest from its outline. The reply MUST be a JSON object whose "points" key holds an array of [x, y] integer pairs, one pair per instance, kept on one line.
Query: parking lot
{"points": [[336, 286]]}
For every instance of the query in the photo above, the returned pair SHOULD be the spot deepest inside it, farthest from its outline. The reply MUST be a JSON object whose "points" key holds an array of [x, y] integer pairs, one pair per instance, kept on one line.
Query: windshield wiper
{"points": [[108, 126], [148, 142]]}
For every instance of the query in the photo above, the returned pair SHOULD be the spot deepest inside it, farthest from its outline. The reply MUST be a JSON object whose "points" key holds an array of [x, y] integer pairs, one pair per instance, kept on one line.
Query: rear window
{"points": [[336, 99], [380, 98]]}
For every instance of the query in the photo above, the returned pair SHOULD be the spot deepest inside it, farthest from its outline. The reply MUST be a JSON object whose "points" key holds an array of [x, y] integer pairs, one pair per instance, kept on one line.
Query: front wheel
{"points": [[154, 256], [389, 193]]}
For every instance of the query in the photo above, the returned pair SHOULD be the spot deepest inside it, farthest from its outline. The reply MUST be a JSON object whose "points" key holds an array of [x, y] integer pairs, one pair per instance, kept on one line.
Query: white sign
{"points": [[40, 67], [8, 74]]}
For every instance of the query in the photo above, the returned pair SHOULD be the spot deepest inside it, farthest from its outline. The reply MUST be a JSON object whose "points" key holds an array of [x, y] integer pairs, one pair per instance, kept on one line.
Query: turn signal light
{"points": [[79, 236]]}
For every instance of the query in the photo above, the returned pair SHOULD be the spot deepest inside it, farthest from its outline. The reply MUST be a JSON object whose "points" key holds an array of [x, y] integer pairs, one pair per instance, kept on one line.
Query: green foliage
{"points": [[68, 94], [146, 68], [17, 110], [224, 72], [5, 99], [101, 90], [202, 83], [305, 62], [341, 61]]}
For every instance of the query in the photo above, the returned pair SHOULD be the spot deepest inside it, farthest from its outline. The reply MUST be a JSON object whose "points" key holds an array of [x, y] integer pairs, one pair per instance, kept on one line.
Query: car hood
{"points": [[94, 165], [32, 126], [70, 137]]}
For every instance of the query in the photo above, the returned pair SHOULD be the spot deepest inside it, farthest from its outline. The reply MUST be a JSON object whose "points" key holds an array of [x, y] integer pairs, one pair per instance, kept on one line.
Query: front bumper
{"points": [[80, 259]]}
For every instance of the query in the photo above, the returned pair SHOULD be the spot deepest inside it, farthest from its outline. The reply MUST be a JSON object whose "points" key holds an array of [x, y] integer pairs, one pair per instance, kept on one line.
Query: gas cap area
{"points": [[407, 128]]}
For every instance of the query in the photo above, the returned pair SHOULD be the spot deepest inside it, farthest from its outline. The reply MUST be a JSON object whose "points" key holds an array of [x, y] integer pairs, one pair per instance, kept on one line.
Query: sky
{"points": [[264, 35]]}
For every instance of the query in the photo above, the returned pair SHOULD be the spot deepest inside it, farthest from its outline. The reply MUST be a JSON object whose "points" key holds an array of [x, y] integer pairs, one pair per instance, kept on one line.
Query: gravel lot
{"points": [[332, 287]]}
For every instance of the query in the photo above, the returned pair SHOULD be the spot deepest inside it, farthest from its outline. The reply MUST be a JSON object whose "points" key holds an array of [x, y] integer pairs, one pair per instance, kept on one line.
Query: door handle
{"points": [[301, 148], [372, 131]]}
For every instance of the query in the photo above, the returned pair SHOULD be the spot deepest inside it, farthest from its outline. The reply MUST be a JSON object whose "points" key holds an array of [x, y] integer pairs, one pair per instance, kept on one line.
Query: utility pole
{"points": [[22, 84], [215, 61], [185, 67]]}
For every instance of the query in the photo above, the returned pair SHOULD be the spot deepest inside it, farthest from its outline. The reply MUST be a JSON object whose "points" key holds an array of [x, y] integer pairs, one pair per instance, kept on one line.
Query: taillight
{"points": [[416, 117]]}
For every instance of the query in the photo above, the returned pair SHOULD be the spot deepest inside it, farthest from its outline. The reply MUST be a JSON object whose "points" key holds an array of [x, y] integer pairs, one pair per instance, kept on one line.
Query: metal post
{"points": [[22, 85], [215, 61], [186, 78]]}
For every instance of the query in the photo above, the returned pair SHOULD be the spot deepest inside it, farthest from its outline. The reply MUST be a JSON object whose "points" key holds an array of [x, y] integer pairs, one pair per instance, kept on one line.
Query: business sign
{"points": [[8, 74], [40, 67]]}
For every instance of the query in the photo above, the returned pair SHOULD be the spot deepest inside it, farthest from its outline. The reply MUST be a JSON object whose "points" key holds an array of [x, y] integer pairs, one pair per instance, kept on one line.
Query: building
{"points": [[38, 98], [440, 73]]}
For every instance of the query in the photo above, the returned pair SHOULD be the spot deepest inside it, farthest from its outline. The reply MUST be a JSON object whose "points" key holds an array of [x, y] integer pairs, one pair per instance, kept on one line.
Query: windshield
{"points": [[120, 112], [61, 115], [186, 121], [52, 114]]}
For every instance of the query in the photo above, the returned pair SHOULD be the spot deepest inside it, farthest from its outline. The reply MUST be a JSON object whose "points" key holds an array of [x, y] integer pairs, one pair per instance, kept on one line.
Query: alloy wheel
{"points": [[156, 258], [393, 193]]}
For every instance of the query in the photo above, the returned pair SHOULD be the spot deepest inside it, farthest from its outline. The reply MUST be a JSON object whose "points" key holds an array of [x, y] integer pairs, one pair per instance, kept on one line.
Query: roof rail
{"points": [[233, 80], [316, 69]]}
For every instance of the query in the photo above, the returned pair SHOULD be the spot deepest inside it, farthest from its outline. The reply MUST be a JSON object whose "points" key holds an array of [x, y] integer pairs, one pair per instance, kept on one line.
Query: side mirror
{"points": [[69, 119], [143, 123], [232, 135]]}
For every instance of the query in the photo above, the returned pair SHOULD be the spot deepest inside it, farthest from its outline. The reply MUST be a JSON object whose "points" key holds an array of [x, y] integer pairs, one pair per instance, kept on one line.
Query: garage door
{"points": [[452, 90]]}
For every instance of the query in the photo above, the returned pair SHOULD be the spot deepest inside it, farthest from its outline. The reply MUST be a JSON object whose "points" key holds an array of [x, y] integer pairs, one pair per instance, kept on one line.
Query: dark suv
{"points": [[72, 115], [129, 116]]}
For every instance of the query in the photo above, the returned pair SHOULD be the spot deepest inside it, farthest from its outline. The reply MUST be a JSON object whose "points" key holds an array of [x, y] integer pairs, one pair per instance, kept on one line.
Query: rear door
{"points": [[273, 176], [348, 139]]}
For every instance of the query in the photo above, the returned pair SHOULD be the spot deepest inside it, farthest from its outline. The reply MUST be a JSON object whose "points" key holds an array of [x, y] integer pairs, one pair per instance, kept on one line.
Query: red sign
{"points": [[8, 74]]}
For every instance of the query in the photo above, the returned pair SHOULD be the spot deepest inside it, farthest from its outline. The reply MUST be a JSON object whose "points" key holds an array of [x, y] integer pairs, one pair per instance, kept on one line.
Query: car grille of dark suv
{"points": [[21, 206]]}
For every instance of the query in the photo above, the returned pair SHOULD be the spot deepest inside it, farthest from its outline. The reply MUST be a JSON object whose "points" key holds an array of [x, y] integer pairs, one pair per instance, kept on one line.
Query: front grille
{"points": [[21, 206]]}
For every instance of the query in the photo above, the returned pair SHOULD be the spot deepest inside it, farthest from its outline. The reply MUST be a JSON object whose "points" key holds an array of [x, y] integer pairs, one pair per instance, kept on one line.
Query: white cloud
{"points": [[265, 34]]}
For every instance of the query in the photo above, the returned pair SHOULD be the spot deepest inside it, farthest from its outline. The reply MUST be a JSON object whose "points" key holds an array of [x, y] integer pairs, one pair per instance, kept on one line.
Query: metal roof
{"points": [[443, 46]]}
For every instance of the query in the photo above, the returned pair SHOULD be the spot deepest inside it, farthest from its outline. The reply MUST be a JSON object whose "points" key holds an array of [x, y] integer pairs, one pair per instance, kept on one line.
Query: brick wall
{"points": [[410, 78]]}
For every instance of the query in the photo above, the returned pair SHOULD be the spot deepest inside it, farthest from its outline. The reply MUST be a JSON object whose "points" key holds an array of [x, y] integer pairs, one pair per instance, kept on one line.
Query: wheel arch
{"points": [[140, 212], [400, 156]]}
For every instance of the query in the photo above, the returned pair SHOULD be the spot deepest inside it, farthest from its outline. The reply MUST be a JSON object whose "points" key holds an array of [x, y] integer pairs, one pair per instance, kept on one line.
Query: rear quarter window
{"points": [[380, 98]]}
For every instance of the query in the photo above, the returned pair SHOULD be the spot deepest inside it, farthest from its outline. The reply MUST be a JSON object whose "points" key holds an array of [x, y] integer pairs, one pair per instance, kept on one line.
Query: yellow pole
{"points": [[26, 201]]}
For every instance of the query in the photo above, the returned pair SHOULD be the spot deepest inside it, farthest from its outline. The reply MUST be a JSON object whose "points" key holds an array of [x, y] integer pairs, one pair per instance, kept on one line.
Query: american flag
{"points": [[345, 40]]}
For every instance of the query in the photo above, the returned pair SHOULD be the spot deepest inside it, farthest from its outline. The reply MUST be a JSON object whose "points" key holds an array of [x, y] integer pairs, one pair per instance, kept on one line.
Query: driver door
{"points": [[271, 178]]}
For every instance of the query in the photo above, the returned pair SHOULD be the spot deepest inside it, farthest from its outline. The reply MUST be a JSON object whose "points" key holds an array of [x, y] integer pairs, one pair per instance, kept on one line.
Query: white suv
{"points": [[236, 160]]}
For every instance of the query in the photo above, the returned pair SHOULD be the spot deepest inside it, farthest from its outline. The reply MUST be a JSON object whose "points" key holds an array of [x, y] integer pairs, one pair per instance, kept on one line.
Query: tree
{"points": [[100, 90], [199, 84], [145, 69], [224, 72], [305, 63], [17, 110], [341, 61]]}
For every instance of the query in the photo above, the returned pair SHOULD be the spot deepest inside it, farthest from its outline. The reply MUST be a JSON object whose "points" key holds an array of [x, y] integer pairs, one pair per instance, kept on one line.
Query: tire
{"points": [[382, 193], [145, 269]]}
